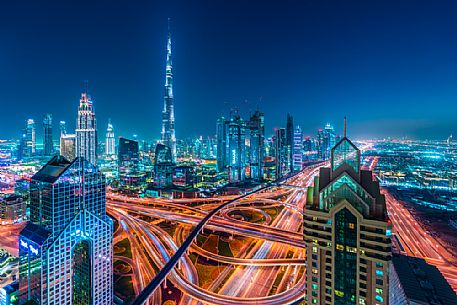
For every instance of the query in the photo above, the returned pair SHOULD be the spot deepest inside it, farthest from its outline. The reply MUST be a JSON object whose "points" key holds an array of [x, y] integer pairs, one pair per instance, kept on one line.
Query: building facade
{"points": [[65, 250], [282, 153], [48, 144], [12, 209], [347, 234], [236, 138], [297, 153], [168, 113], [256, 128], [110, 142], [163, 166], [86, 130], [68, 146]]}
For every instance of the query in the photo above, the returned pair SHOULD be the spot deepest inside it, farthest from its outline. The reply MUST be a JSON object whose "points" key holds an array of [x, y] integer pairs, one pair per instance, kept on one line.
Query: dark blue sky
{"points": [[390, 66]]}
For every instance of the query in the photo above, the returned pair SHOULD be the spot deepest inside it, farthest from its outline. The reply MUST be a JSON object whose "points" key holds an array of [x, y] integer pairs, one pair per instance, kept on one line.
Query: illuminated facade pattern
{"points": [[28, 143], [48, 145], [236, 142], [68, 146], [65, 250], [110, 141], [256, 127], [163, 166], [297, 155], [282, 153], [168, 113], [347, 234], [86, 130]]}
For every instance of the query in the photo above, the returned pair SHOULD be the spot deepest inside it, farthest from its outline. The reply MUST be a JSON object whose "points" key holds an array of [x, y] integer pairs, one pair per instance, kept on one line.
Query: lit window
{"points": [[379, 290], [379, 298], [379, 273], [351, 226], [379, 265], [314, 249], [314, 286], [339, 293], [339, 247]]}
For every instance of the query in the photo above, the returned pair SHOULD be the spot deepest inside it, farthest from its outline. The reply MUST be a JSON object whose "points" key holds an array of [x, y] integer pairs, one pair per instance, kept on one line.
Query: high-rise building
{"points": [[281, 153], [110, 141], [221, 135], [65, 250], [48, 144], [290, 139], [63, 128], [347, 234], [297, 153], [68, 146], [30, 139], [128, 155], [163, 166], [168, 113], [86, 130], [256, 127], [236, 142]]}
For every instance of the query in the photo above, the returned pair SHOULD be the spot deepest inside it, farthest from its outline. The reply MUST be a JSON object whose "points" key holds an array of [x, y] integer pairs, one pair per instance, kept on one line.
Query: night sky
{"points": [[389, 66]]}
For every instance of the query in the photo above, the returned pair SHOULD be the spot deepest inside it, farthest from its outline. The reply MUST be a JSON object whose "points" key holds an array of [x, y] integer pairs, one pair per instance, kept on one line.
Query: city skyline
{"points": [[293, 48]]}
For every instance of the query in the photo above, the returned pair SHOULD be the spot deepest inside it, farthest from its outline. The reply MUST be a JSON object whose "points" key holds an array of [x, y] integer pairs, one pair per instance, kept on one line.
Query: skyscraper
{"points": [[256, 127], [68, 146], [48, 145], [290, 139], [110, 141], [86, 130], [65, 250], [297, 153], [30, 138], [281, 153], [168, 113], [347, 234], [63, 128], [163, 166], [221, 135], [236, 137]]}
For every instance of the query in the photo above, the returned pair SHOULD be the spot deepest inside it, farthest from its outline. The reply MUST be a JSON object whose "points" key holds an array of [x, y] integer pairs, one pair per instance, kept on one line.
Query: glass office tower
{"points": [[347, 234], [65, 250]]}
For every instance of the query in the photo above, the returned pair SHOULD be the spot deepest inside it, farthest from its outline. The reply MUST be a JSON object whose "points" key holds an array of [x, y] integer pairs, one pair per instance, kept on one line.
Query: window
{"points": [[379, 265], [351, 226], [379, 290], [379, 273], [379, 298]]}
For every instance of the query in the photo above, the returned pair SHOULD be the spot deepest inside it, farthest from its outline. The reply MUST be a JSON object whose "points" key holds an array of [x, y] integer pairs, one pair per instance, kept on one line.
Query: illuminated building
{"points": [[290, 140], [256, 126], [168, 113], [163, 166], [184, 176], [86, 130], [28, 142], [347, 234], [128, 159], [63, 128], [65, 250], [110, 141], [68, 146], [236, 142], [12, 209], [282, 153], [297, 155], [48, 144], [8, 294], [414, 281], [325, 140], [221, 134]]}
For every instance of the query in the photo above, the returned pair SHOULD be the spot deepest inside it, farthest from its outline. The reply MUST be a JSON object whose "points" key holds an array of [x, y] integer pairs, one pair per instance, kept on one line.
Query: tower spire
{"points": [[168, 116]]}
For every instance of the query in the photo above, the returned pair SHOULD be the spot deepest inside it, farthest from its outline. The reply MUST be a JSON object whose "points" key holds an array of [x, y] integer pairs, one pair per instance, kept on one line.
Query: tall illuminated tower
{"points": [[110, 142], [86, 130], [168, 113], [30, 138], [48, 145], [65, 250], [347, 233]]}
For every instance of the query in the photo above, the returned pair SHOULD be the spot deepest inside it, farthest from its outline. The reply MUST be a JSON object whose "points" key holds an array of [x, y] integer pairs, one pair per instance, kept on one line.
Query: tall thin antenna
{"points": [[345, 127]]}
